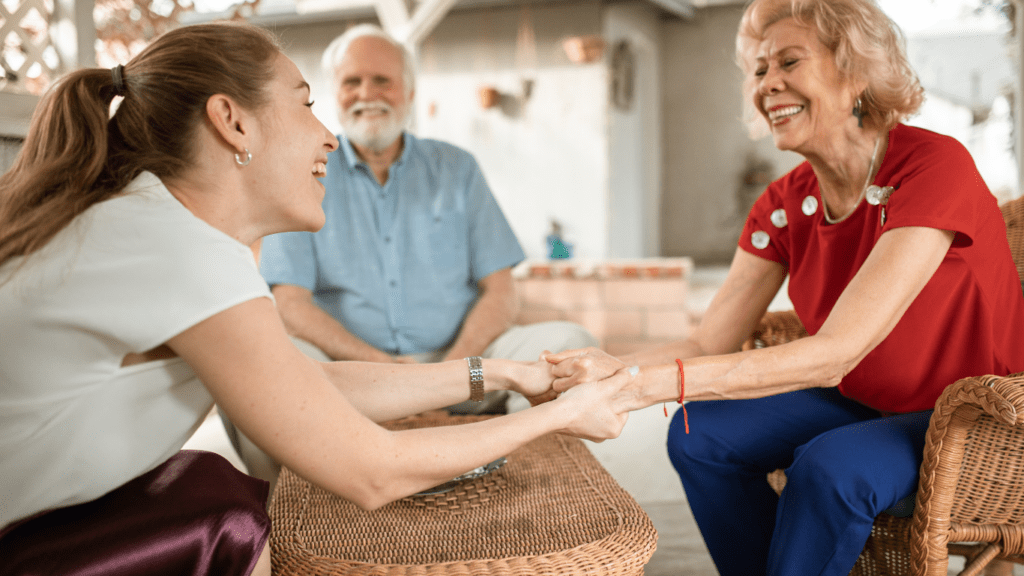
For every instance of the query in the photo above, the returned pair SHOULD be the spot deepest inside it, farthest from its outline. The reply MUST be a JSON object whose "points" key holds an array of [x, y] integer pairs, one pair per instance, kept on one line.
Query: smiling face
{"points": [[292, 154], [373, 100], [799, 89]]}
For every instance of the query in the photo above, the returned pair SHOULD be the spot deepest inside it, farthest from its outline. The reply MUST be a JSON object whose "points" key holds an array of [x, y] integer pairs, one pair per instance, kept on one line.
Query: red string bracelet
{"points": [[682, 392]]}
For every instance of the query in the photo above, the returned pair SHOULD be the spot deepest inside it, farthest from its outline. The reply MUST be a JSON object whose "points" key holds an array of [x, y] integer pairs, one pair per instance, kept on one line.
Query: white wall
{"points": [[635, 137], [545, 156]]}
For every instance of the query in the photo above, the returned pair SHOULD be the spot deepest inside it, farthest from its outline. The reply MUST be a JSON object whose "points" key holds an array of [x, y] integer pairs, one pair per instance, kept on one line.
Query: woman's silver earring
{"points": [[858, 112], [243, 162]]}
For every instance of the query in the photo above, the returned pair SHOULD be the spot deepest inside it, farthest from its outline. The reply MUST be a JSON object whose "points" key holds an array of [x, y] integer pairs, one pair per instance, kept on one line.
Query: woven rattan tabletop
{"points": [[551, 509]]}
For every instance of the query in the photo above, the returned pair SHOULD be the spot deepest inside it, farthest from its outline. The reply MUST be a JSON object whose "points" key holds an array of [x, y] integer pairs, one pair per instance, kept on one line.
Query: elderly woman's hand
{"points": [[574, 367], [600, 409]]}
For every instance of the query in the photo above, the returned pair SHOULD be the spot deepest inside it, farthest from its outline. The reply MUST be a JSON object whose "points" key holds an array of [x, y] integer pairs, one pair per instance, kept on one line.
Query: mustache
{"points": [[375, 106]]}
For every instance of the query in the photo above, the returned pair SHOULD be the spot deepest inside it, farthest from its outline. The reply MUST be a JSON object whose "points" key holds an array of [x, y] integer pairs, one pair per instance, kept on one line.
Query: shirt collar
{"points": [[353, 160]]}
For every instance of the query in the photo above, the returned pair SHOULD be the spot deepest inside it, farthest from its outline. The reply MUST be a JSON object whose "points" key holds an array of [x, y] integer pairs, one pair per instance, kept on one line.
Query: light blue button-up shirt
{"points": [[398, 265]]}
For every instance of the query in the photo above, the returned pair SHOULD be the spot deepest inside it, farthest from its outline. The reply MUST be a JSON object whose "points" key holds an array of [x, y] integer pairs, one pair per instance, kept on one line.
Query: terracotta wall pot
{"points": [[584, 49], [489, 96]]}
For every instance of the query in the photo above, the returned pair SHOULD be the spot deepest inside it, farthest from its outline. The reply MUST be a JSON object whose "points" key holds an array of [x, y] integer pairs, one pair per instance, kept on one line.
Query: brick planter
{"points": [[626, 304]]}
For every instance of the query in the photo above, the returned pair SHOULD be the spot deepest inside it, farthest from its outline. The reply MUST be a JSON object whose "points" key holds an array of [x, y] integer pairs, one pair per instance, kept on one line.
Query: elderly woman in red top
{"points": [[899, 269]]}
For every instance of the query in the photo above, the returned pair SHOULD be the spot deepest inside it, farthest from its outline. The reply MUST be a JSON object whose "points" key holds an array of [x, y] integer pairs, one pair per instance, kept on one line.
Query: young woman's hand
{"points": [[531, 379]]}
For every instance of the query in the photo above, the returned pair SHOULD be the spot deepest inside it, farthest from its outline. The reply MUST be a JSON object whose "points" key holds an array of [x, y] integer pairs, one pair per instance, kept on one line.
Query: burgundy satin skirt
{"points": [[193, 515]]}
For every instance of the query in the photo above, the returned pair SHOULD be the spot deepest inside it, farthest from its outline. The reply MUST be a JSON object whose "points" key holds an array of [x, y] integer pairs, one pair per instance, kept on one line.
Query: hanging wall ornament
{"points": [[623, 74], [526, 51]]}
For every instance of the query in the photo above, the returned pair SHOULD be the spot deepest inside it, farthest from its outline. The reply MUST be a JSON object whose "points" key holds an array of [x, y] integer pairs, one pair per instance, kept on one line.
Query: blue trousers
{"points": [[844, 464]]}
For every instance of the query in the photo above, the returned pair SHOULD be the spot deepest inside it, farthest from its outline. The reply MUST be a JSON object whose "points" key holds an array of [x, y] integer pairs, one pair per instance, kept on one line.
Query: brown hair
{"points": [[76, 154], [866, 45]]}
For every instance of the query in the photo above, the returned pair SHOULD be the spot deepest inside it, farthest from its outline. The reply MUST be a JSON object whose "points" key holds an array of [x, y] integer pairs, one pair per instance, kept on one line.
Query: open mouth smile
{"points": [[781, 113]]}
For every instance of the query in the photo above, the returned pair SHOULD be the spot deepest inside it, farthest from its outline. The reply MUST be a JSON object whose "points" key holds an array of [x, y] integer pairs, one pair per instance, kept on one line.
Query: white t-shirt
{"points": [[125, 276]]}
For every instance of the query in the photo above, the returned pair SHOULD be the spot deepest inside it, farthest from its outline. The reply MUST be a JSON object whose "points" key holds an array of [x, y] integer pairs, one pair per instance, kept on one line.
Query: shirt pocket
{"points": [[447, 250]]}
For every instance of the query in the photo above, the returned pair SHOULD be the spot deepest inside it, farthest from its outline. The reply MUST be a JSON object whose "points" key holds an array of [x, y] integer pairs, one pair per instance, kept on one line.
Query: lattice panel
{"points": [[28, 57], [125, 27], [30, 60]]}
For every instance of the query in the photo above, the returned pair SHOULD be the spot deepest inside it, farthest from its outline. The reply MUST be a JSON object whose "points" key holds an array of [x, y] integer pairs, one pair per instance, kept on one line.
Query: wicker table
{"points": [[552, 509]]}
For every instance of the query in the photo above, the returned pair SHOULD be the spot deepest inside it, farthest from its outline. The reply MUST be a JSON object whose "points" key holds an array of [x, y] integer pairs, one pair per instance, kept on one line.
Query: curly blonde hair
{"points": [[866, 44]]}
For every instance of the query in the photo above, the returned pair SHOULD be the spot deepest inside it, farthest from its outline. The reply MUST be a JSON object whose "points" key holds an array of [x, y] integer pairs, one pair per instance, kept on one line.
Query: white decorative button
{"points": [[878, 194], [810, 205], [779, 218], [759, 239]]}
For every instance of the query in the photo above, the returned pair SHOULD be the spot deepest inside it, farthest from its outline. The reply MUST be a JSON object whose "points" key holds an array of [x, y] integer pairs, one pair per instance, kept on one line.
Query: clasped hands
{"points": [[601, 388]]}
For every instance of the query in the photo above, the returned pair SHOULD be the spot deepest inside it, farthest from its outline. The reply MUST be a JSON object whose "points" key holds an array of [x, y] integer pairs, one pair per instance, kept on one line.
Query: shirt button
{"points": [[387, 238], [393, 283]]}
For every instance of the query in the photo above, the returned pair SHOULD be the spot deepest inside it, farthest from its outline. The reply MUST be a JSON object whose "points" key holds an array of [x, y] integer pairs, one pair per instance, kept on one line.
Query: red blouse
{"points": [[967, 319]]}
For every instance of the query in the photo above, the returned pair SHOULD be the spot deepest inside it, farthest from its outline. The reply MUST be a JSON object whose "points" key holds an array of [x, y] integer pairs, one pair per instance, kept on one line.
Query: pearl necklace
{"points": [[863, 191]]}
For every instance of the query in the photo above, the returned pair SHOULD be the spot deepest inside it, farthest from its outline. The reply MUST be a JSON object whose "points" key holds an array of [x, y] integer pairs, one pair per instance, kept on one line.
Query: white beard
{"points": [[375, 133]]}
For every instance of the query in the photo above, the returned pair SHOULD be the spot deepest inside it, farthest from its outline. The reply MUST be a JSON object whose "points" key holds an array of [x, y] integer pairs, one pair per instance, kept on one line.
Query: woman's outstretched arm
{"points": [[384, 392], [734, 311], [902, 262], [284, 402]]}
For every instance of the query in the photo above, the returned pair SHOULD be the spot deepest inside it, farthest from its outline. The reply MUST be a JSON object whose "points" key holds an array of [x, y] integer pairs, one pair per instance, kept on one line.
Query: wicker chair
{"points": [[970, 498]]}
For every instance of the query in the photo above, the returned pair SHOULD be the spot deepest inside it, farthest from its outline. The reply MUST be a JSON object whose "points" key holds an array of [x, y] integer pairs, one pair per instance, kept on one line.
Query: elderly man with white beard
{"points": [[414, 261]]}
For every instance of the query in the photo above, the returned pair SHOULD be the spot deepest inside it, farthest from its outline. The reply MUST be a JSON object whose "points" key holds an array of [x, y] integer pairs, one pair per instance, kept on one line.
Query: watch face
{"points": [[472, 474]]}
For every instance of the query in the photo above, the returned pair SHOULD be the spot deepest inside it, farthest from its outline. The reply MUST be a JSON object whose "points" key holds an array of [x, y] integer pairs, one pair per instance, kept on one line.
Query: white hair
{"points": [[337, 49]]}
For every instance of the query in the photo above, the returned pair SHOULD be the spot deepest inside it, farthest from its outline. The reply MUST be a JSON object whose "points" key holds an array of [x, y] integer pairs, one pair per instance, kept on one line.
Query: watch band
{"points": [[476, 378]]}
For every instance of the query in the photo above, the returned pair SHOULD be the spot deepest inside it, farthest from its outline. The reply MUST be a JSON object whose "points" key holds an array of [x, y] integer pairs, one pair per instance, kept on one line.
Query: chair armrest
{"points": [[972, 475], [775, 328]]}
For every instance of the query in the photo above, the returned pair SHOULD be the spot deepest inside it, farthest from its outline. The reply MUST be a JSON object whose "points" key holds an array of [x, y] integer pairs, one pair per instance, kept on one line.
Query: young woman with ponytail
{"points": [[130, 303]]}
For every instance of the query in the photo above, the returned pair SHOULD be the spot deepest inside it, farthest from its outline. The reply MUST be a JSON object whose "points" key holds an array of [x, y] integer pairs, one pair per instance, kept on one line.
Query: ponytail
{"points": [[54, 177], [76, 154]]}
